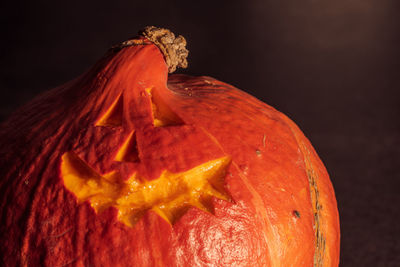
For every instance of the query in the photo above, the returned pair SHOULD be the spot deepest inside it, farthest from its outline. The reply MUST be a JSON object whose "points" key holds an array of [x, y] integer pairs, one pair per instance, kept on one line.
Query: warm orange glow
{"points": [[169, 196]]}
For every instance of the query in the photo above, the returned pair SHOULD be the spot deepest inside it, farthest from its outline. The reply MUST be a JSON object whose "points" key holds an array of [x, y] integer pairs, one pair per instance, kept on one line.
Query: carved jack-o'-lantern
{"points": [[126, 166]]}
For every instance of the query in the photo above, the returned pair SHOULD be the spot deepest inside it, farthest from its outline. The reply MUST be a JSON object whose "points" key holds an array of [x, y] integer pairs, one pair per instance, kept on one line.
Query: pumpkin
{"points": [[127, 166]]}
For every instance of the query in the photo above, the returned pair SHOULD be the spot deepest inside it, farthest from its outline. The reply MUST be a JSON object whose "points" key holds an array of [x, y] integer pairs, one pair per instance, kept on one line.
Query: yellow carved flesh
{"points": [[170, 195]]}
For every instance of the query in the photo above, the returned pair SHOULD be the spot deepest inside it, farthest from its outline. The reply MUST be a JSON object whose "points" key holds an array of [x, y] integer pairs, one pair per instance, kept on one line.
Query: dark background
{"points": [[333, 66]]}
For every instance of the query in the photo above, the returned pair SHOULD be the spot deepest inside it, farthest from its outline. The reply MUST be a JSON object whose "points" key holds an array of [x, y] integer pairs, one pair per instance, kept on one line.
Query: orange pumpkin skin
{"points": [[280, 211]]}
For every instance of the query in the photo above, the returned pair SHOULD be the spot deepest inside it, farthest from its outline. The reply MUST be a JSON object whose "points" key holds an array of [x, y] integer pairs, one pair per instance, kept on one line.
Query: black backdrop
{"points": [[333, 66]]}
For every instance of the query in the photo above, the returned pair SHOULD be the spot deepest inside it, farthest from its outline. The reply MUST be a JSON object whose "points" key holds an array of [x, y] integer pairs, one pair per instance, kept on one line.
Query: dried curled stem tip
{"points": [[173, 48]]}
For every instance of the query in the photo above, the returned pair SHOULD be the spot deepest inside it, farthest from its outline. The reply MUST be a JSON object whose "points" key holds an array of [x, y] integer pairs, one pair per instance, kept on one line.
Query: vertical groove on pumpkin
{"points": [[319, 238]]}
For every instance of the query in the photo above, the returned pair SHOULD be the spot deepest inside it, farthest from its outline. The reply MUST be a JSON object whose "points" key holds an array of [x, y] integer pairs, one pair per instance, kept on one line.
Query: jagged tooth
{"points": [[126, 217], [162, 214], [216, 181], [218, 193], [204, 205]]}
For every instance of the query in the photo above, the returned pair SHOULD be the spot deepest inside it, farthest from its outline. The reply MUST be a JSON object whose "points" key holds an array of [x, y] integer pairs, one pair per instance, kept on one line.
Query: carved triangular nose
{"points": [[128, 151]]}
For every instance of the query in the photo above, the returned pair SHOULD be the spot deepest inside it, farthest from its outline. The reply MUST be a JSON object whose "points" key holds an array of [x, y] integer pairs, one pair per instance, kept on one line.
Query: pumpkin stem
{"points": [[173, 48]]}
